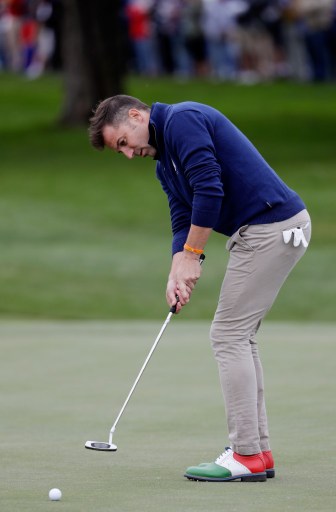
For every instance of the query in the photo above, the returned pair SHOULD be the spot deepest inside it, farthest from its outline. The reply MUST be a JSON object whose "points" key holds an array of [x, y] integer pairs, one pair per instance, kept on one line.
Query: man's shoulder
{"points": [[166, 112], [188, 112], [193, 106]]}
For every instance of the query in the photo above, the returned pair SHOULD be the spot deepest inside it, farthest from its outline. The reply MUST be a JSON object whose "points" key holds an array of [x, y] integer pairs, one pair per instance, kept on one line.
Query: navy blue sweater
{"points": [[212, 174]]}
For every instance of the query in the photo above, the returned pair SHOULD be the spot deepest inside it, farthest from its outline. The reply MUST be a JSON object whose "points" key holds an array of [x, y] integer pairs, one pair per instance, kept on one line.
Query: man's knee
{"points": [[231, 336], [227, 336]]}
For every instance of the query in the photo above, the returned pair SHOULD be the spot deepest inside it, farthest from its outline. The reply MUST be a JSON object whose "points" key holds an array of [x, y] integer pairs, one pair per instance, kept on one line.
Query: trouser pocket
{"points": [[238, 238]]}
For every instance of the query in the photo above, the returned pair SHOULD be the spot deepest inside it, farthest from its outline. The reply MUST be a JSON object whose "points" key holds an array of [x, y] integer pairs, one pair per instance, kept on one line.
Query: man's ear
{"points": [[135, 114]]}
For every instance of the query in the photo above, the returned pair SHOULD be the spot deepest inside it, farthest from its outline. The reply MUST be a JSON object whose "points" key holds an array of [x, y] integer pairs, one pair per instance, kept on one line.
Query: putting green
{"points": [[64, 383]]}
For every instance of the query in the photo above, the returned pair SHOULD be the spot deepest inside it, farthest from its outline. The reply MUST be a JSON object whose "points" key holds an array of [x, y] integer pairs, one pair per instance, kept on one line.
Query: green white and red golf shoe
{"points": [[232, 466]]}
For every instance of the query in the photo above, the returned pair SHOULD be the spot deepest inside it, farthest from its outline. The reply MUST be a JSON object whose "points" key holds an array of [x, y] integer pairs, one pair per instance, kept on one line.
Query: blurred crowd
{"points": [[246, 40], [30, 36], [229, 40]]}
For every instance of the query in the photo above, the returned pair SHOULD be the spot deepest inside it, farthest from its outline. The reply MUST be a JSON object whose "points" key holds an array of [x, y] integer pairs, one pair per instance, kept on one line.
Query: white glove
{"points": [[298, 236]]}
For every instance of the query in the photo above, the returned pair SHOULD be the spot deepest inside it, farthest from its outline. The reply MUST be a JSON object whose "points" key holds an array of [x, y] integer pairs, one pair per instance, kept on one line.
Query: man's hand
{"points": [[186, 270]]}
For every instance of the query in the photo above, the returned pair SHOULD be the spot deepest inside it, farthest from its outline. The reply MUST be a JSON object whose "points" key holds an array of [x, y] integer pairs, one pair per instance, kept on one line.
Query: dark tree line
{"points": [[94, 56]]}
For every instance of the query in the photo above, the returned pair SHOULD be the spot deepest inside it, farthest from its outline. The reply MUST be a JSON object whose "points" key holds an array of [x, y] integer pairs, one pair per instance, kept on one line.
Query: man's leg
{"points": [[262, 416], [261, 406], [230, 334], [260, 260], [259, 263]]}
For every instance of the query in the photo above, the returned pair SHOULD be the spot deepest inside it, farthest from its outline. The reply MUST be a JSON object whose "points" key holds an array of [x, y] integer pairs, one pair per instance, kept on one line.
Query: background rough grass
{"points": [[87, 235]]}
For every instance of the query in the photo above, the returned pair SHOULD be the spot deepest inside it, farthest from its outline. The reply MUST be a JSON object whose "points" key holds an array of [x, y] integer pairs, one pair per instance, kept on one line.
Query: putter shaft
{"points": [[170, 314], [112, 447]]}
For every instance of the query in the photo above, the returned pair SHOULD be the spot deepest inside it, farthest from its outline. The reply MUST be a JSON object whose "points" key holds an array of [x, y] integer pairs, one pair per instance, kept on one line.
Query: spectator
{"points": [[317, 16], [45, 39], [220, 29], [3, 45], [257, 51], [195, 43], [138, 13], [29, 33], [168, 31], [11, 23], [271, 15], [295, 49], [331, 40]]}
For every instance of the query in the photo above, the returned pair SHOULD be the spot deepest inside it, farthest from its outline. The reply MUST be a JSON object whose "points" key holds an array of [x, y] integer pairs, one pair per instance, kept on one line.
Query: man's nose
{"points": [[128, 152]]}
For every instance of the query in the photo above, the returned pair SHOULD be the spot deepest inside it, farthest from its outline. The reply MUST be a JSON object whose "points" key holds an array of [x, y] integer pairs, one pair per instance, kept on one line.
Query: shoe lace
{"points": [[223, 455]]}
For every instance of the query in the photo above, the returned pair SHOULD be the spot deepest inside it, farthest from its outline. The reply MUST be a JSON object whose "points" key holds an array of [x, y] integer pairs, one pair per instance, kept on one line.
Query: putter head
{"points": [[103, 447]]}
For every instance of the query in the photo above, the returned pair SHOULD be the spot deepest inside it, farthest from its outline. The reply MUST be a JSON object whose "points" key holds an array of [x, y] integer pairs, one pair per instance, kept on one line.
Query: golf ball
{"points": [[55, 494]]}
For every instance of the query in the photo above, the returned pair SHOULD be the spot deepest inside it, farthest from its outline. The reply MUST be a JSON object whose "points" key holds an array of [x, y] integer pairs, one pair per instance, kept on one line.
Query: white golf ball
{"points": [[55, 494]]}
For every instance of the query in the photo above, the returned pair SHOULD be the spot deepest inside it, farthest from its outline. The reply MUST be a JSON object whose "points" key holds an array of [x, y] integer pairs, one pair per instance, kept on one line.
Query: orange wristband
{"points": [[192, 249]]}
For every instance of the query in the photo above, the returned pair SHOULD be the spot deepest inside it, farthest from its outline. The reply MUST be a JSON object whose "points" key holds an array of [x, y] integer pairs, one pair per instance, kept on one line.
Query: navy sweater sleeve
{"points": [[188, 135], [180, 215]]}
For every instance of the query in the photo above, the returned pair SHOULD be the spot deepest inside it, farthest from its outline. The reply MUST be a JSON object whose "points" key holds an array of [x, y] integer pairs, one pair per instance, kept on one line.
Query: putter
{"points": [[111, 447]]}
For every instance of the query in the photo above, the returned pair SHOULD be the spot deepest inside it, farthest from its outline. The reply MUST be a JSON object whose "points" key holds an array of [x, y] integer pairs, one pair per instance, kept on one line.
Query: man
{"points": [[215, 179]]}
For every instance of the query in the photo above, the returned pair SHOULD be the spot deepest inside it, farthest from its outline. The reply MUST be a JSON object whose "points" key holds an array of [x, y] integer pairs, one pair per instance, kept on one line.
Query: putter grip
{"points": [[173, 308]]}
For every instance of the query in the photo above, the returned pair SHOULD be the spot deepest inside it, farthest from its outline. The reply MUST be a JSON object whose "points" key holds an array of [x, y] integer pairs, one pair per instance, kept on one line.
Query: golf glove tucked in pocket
{"points": [[297, 234]]}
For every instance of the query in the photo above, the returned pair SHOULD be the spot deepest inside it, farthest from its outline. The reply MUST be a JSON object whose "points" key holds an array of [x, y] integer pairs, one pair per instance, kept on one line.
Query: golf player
{"points": [[215, 179]]}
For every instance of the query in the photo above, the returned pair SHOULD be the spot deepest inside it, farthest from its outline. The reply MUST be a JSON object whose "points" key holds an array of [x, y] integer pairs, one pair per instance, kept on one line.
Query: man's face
{"points": [[130, 137]]}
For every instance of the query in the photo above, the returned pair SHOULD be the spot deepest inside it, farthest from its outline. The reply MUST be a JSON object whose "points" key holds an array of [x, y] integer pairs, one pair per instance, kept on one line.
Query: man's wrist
{"points": [[190, 255], [194, 250]]}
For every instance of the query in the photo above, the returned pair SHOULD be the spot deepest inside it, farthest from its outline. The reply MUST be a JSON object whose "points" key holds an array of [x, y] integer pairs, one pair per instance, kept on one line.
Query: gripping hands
{"points": [[182, 280]]}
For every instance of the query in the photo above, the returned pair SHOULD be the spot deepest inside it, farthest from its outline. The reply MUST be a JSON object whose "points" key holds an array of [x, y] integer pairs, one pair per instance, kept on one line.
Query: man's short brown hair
{"points": [[112, 111]]}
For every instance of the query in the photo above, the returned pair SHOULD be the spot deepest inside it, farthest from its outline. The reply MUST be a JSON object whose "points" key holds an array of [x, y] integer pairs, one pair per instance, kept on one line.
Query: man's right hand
{"points": [[182, 279], [171, 296]]}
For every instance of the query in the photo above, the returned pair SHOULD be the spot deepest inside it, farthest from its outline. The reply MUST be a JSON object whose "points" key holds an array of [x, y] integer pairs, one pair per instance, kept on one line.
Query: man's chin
{"points": [[149, 151], [150, 154]]}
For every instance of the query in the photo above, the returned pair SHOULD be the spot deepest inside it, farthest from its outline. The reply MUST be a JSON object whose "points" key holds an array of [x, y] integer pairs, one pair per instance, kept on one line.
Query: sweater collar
{"points": [[157, 120]]}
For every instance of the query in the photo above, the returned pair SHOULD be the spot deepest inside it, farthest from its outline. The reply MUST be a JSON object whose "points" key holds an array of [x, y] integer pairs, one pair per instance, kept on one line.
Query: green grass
{"points": [[64, 383], [87, 235]]}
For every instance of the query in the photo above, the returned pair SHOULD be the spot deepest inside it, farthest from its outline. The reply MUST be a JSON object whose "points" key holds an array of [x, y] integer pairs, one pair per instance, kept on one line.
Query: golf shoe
{"points": [[230, 466]]}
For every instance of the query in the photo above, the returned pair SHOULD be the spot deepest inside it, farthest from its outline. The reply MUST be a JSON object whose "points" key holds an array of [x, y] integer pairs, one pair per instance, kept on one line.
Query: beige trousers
{"points": [[259, 263]]}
